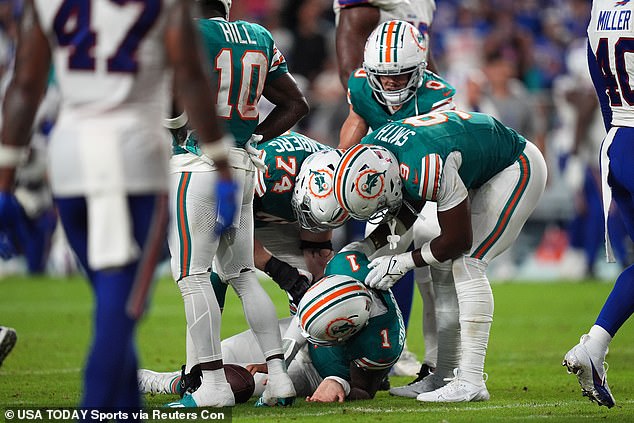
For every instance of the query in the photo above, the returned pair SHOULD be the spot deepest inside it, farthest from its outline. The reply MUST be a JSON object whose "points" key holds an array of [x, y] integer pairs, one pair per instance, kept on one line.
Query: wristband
{"points": [[344, 383], [427, 255], [177, 122], [12, 155], [219, 149], [314, 245]]}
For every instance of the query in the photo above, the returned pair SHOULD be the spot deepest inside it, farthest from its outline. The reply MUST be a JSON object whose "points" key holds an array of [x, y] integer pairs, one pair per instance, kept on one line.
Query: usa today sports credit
{"points": [[22, 414]]}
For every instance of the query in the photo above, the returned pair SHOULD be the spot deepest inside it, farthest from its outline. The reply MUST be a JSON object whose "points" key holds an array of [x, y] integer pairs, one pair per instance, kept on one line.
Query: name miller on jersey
{"points": [[393, 134], [614, 20], [233, 35]]}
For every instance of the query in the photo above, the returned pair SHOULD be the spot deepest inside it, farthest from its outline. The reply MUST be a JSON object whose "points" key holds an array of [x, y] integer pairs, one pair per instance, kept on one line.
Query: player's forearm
{"points": [[355, 25], [282, 118]]}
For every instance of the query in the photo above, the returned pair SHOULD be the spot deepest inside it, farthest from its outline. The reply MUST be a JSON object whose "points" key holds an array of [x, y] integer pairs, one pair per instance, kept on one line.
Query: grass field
{"points": [[534, 325]]}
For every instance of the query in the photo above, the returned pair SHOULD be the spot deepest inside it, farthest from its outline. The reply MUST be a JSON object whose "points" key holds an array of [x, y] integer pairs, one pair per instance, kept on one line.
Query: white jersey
{"points": [[419, 13], [611, 33], [110, 65]]}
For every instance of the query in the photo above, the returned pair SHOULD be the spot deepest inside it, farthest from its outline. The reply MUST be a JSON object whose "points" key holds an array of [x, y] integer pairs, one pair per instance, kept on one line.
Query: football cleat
{"points": [[8, 338], [218, 395], [407, 364], [429, 383], [158, 383], [457, 390], [591, 372], [279, 391]]}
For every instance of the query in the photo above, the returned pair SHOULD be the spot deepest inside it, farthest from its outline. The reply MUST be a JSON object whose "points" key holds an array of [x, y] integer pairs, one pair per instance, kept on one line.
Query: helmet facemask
{"points": [[395, 48]]}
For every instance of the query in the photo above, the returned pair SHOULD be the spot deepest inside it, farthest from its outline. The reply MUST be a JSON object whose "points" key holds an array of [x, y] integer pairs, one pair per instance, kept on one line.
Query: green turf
{"points": [[534, 325]]}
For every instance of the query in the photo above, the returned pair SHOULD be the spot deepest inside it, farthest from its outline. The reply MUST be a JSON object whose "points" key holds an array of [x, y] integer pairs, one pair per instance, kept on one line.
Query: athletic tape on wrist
{"points": [[428, 256], [218, 150], [177, 122], [12, 156]]}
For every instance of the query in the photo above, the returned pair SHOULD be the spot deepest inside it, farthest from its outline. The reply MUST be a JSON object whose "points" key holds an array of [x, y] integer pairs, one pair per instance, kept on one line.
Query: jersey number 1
{"points": [[72, 28]]}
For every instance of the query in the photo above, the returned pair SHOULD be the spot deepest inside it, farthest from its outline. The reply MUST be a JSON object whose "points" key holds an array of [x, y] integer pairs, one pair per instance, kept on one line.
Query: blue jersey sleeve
{"points": [[599, 86]]}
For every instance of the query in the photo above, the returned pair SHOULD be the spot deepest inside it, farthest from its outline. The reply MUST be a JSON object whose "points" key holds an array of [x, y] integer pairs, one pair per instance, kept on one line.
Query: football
{"points": [[241, 381]]}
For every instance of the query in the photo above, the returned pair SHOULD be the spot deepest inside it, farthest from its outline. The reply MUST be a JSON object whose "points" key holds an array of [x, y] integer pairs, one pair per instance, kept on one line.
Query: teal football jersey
{"points": [[283, 157], [421, 144], [432, 94], [243, 57], [378, 345]]}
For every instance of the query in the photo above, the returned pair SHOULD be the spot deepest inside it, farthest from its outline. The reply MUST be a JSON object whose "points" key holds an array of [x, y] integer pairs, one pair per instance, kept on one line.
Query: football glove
{"points": [[387, 270], [227, 205], [254, 154], [14, 232]]}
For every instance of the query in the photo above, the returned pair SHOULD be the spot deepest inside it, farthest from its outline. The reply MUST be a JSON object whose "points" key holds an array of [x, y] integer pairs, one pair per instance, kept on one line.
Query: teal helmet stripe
{"points": [[330, 304]]}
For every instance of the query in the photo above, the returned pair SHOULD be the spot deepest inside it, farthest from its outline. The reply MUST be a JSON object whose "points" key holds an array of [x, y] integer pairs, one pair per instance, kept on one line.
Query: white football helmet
{"points": [[334, 309], [368, 185], [225, 3], [394, 48], [313, 201]]}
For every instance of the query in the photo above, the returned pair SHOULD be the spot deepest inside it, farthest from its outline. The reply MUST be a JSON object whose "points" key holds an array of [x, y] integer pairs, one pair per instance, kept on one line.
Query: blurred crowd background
{"points": [[522, 61]]}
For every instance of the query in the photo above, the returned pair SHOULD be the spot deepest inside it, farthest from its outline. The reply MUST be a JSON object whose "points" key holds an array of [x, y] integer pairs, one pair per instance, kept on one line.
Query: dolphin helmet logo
{"points": [[320, 183], [370, 183]]}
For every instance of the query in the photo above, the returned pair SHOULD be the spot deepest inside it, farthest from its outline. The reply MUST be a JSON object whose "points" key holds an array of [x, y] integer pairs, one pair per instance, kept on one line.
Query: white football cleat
{"points": [[591, 372], [457, 390], [8, 338], [157, 382], [279, 391], [407, 364], [216, 395], [429, 383]]}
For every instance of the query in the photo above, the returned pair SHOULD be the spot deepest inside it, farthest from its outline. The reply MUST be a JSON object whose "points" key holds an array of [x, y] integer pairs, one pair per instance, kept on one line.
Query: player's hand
{"points": [[227, 204], [257, 368], [364, 246], [301, 285], [387, 270], [254, 154], [328, 391]]}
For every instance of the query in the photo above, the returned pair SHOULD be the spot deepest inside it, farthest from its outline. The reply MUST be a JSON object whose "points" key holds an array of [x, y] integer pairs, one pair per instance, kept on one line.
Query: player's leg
{"points": [[508, 199], [120, 292], [193, 245], [235, 265], [586, 359]]}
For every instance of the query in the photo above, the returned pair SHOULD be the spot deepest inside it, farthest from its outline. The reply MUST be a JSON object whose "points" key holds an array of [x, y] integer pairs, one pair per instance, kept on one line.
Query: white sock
{"points": [[430, 330], [276, 366], [475, 301], [259, 312], [447, 322], [598, 341]]}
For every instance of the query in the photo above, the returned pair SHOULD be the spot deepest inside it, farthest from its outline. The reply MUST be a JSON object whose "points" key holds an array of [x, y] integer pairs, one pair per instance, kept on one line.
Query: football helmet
{"points": [[334, 309], [395, 48], [225, 3], [368, 185], [313, 201]]}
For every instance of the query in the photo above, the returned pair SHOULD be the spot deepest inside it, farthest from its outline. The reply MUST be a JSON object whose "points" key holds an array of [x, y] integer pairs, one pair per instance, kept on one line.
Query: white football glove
{"points": [[387, 270], [255, 155]]}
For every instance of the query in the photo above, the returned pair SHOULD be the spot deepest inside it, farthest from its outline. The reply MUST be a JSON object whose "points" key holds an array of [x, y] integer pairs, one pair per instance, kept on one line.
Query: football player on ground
{"points": [[394, 84], [486, 180], [611, 72], [247, 65], [325, 365]]}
